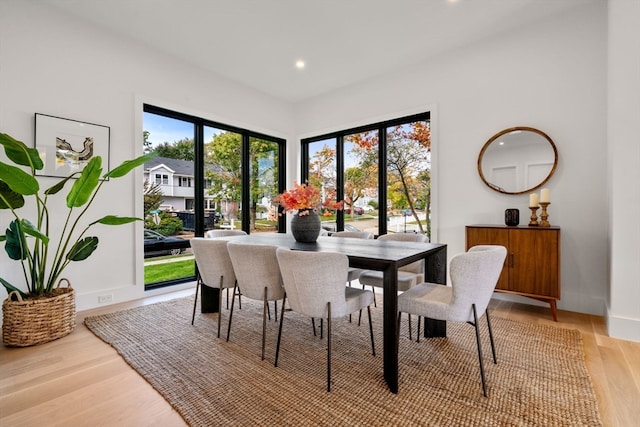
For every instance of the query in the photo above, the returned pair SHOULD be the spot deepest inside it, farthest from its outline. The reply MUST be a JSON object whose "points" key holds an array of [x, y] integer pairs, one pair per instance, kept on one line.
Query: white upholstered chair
{"points": [[214, 268], [258, 276], [315, 286], [224, 233], [474, 275], [408, 275], [354, 273]]}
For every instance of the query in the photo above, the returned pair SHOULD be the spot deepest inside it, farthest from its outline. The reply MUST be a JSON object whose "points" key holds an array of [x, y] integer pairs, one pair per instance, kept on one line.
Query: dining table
{"points": [[372, 254]]}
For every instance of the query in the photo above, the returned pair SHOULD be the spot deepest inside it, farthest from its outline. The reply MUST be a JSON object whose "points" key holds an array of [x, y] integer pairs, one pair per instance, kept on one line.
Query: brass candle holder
{"points": [[544, 215], [533, 222]]}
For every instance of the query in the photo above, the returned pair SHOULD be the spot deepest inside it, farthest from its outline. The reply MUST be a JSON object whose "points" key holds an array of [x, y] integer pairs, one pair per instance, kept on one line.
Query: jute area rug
{"points": [[540, 379]]}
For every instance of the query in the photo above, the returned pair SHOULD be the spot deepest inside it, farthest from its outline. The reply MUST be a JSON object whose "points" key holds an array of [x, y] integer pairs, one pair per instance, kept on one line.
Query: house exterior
{"points": [[175, 179]]}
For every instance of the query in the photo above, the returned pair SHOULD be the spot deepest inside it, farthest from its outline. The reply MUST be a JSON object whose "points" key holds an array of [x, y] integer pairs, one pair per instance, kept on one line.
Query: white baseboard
{"points": [[623, 327]]}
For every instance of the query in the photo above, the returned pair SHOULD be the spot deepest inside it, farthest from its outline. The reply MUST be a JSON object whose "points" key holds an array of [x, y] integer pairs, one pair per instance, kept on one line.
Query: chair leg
{"points": [[313, 323], [328, 346], [235, 286], [493, 346], [410, 335], [418, 337], [373, 348], [280, 331], [227, 292], [220, 305], [475, 324], [321, 328], [275, 309], [265, 307], [195, 301]]}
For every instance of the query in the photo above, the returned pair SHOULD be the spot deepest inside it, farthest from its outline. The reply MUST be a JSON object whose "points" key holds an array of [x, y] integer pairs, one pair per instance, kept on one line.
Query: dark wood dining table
{"points": [[386, 256]]}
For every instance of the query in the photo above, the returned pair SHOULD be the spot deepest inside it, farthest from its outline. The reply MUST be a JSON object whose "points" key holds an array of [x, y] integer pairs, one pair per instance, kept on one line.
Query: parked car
{"points": [[331, 227], [155, 244], [358, 210]]}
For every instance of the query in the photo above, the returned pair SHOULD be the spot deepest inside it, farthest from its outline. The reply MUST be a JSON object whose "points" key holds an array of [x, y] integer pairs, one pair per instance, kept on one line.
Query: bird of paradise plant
{"points": [[28, 241]]}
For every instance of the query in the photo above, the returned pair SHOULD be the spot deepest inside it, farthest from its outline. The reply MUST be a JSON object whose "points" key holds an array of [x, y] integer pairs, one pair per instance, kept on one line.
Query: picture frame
{"points": [[67, 145]]}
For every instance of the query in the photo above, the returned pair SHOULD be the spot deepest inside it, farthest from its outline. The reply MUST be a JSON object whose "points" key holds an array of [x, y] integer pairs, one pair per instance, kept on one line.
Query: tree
{"points": [[182, 149], [153, 197], [408, 162]]}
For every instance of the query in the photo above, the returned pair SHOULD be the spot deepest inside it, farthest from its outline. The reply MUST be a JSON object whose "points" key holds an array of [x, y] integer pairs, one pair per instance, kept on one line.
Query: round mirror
{"points": [[517, 160]]}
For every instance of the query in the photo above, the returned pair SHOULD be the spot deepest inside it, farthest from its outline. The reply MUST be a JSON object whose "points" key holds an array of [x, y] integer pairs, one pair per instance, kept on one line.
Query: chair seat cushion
{"points": [[406, 280], [426, 299], [356, 300]]}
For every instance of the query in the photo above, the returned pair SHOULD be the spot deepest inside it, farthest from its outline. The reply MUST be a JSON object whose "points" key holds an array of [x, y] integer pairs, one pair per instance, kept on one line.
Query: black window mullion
{"points": [[382, 180], [340, 179], [246, 187], [198, 171]]}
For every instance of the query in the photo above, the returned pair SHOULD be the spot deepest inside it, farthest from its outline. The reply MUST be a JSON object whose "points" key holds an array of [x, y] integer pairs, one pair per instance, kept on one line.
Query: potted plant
{"points": [[304, 200], [44, 311]]}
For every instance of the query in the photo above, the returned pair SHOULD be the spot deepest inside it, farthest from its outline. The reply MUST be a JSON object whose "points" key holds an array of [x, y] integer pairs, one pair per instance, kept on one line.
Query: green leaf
{"points": [[32, 230], [19, 153], [60, 185], [9, 199], [16, 245], [128, 165], [18, 180], [116, 220], [10, 288], [83, 188], [82, 249]]}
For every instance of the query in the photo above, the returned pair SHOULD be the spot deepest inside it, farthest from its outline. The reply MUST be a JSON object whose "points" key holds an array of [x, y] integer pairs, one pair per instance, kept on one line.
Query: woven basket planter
{"points": [[40, 319]]}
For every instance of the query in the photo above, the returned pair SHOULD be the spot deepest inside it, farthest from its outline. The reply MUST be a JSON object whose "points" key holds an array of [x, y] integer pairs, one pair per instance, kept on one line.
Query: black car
{"points": [[155, 244]]}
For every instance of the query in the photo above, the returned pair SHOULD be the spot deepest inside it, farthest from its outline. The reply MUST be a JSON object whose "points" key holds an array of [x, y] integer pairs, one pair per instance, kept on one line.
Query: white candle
{"points": [[544, 195], [533, 200]]}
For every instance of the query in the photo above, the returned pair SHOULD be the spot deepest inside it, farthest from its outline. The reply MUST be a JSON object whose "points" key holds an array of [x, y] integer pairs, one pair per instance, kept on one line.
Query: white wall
{"points": [[623, 309], [551, 76], [56, 65]]}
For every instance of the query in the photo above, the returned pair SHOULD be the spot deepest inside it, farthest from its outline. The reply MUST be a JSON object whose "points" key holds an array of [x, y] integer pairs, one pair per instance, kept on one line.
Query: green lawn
{"points": [[168, 271]]}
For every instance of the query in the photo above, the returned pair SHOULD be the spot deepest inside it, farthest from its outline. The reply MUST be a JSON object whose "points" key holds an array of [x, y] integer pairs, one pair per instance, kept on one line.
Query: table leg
{"points": [[209, 299], [436, 272], [390, 335]]}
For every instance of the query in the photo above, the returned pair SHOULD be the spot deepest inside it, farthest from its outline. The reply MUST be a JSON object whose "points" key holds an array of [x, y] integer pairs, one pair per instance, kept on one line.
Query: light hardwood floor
{"points": [[80, 381]]}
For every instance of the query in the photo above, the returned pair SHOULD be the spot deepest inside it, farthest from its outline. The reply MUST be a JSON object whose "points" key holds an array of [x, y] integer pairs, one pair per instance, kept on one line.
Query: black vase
{"points": [[305, 228], [512, 217]]}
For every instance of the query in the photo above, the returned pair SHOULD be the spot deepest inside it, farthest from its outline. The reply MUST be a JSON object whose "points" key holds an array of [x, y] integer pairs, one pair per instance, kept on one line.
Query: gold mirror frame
{"points": [[518, 139]]}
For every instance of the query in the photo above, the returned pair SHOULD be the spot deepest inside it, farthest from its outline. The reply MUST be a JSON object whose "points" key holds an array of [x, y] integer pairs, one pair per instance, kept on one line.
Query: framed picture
{"points": [[66, 146]]}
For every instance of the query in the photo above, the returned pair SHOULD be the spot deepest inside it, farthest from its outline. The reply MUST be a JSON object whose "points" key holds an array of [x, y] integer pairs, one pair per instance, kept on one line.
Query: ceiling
{"points": [[257, 42]]}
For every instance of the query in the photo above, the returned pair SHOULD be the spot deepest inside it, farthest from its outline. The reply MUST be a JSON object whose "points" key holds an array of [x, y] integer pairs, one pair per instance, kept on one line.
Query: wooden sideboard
{"points": [[532, 266]]}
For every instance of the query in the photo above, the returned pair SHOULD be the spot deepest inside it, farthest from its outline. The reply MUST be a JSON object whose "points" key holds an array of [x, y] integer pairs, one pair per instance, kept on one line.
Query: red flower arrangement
{"points": [[304, 198]]}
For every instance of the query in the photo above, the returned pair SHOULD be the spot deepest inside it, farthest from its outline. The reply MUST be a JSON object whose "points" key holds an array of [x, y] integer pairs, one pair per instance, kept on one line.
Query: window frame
{"points": [[380, 127], [198, 182]]}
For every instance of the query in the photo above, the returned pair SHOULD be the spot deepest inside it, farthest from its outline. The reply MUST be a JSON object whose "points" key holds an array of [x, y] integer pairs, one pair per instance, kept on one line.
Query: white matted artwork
{"points": [[66, 146]]}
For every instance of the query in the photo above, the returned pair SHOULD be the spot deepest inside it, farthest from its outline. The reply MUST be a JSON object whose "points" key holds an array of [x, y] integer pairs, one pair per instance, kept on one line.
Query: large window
{"points": [[205, 176], [382, 172]]}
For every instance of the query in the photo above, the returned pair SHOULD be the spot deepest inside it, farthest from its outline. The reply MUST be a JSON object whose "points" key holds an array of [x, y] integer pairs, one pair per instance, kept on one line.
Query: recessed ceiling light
{"points": [[300, 64]]}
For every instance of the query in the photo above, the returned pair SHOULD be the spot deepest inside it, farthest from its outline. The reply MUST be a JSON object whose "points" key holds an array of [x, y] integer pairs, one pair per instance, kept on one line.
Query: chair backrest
{"points": [[213, 262], [353, 234], [256, 267], [474, 275], [224, 233], [415, 267], [311, 279]]}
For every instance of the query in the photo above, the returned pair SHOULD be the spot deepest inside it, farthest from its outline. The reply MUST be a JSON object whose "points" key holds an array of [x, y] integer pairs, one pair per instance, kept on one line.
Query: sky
{"points": [[164, 129]]}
